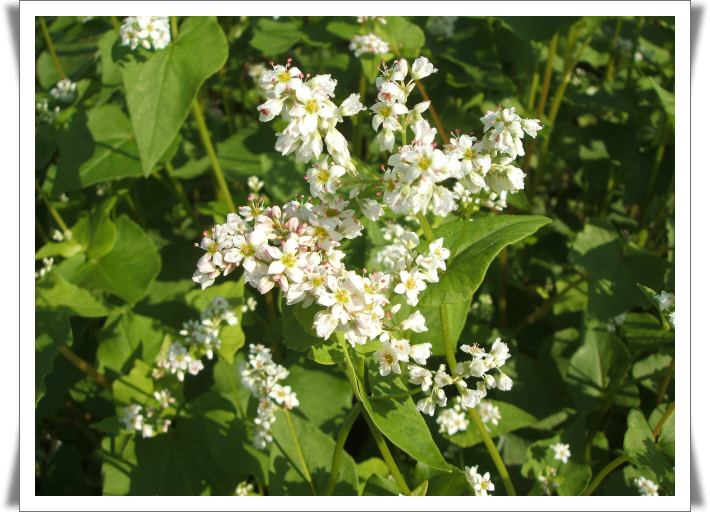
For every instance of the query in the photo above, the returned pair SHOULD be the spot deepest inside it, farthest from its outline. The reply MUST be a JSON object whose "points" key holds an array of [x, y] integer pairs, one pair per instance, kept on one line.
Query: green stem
{"points": [[358, 120], [448, 344], [433, 112], [630, 67], [502, 296], [174, 27], [339, 444], [426, 228], [306, 474], [85, 367], [40, 231], [500, 465], [663, 419], [666, 381], [50, 207], [541, 105], [570, 64], [609, 77], [237, 401], [603, 473], [115, 23], [50, 47], [656, 168], [386, 455], [205, 136]]}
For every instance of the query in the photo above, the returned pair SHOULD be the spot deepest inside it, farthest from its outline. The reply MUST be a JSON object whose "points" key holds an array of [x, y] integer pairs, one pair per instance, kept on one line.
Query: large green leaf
{"points": [[96, 145], [273, 37], [111, 77], [52, 332], [95, 231], [324, 398], [595, 368], [377, 485], [403, 36], [286, 472], [614, 269], [55, 292], [179, 463], [399, 421], [126, 271], [642, 450], [125, 337], [666, 437], [441, 483], [298, 326], [482, 240], [512, 418], [643, 331], [160, 91]]}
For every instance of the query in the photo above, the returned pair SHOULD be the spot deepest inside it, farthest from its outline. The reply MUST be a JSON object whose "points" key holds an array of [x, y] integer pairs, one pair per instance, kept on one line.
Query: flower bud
{"points": [[422, 68]]}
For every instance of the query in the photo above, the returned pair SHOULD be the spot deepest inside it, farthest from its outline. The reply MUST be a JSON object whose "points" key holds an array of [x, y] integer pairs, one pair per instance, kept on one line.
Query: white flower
{"points": [[422, 68], [502, 178], [450, 421], [416, 322], [671, 319], [312, 108], [411, 285], [665, 300], [323, 178], [371, 209], [389, 359], [421, 352], [420, 376], [484, 485], [255, 183], [504, 382], [489, 412], [561, 452], [145, 31]]}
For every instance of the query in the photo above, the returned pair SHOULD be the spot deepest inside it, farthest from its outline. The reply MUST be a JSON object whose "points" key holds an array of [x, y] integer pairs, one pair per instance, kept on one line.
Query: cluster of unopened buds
{"points": [[261, 376], [145, 31], [47, 114], [135, 418], [477, 367], [199, 338]]}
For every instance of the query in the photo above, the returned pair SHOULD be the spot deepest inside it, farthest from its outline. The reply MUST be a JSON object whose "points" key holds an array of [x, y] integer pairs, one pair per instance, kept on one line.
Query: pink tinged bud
{"points": [[302, 228]]}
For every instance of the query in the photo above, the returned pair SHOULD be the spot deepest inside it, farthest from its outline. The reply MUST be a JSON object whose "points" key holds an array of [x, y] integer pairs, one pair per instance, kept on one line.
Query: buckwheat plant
{"points": [[297, 247]]}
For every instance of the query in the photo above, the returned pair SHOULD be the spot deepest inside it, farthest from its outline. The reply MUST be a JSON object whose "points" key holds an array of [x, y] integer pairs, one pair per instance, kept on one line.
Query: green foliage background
{"points": [[125, 169]]}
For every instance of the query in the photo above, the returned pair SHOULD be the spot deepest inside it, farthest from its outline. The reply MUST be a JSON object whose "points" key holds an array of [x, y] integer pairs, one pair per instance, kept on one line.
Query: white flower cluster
{"points": [[493, 201], [200, 338], [442, 26], [646, 487], [481, 483], [478, 367], [261, 376], [45, 114], [61, 237], [666, 300], [369, 43], [46, 268], [149, 425], [65, 91], [297, 248], [380, 19], [304, 102], [145, 31], [453, 419], [244, 489]]}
